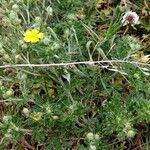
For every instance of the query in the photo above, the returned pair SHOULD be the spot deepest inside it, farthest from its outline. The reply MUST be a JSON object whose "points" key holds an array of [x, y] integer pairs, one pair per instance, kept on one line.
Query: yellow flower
{"points": [[32, 36], [37, 116]]}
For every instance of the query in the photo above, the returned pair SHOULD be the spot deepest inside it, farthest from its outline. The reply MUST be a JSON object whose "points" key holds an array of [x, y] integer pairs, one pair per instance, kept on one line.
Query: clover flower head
{"points": [[130, 18], [32, 36]]}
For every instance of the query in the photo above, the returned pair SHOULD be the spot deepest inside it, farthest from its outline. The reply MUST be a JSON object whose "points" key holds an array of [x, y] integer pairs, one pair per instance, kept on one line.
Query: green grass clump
{"points": [[83, 83]]}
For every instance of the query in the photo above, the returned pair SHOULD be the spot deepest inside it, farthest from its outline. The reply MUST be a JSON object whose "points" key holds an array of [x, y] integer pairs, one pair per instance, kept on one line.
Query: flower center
{"points": [[130, 18], [33, 36]]}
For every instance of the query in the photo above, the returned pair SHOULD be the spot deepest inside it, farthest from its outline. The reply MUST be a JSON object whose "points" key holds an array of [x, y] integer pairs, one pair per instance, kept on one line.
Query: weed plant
{"points": [[73, 76]]}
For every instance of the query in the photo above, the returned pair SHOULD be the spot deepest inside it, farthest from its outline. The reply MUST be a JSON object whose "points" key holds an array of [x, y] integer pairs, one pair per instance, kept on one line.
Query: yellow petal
{"points": [[35, 31], [27, 33], [40, 35], [32, 36], [34, 39], [26, 39]]}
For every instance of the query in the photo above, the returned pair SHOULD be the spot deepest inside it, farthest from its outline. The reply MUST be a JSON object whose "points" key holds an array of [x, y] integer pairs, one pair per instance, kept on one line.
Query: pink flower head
{"points": [[130, 18]]}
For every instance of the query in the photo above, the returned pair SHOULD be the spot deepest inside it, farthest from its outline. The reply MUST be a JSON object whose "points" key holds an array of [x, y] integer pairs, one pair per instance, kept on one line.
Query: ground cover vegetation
{"points": [[74, 74]]}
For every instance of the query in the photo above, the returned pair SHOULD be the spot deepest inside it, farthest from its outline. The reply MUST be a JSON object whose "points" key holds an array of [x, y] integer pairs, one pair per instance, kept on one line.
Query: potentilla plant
{"points": [[71, 78]]}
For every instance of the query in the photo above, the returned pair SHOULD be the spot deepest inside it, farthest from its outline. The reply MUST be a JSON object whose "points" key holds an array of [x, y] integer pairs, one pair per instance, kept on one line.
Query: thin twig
{"points": [[74, 63], [10, 100]]}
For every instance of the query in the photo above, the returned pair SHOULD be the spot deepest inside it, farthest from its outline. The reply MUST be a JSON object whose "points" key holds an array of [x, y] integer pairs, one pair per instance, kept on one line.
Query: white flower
{"points": [[130, 18]]}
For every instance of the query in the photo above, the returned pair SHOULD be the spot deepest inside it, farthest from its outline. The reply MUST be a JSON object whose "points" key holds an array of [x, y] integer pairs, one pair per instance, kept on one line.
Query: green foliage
{"points": [[99, 105]]}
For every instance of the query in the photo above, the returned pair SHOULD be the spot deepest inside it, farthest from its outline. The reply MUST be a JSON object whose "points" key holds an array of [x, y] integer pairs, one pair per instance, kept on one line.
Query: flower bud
{"points": [[6, 57], [46, 40], [12, 15], [2, 88], [9, 93], [23, 76], [2, 51], [24, 46], [38, 20], [56, 56], [136, 75], [130, 134], [92, 147], [66, 33], [96, 137], [72, 107], [49, 10], [128, 125], [16, 128], [15, 7], [71, 17], [14, 51], [18, 21], [21, 42], [55, 117], [25, 111], [90, 136], [48, 110], [17, 57]]}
